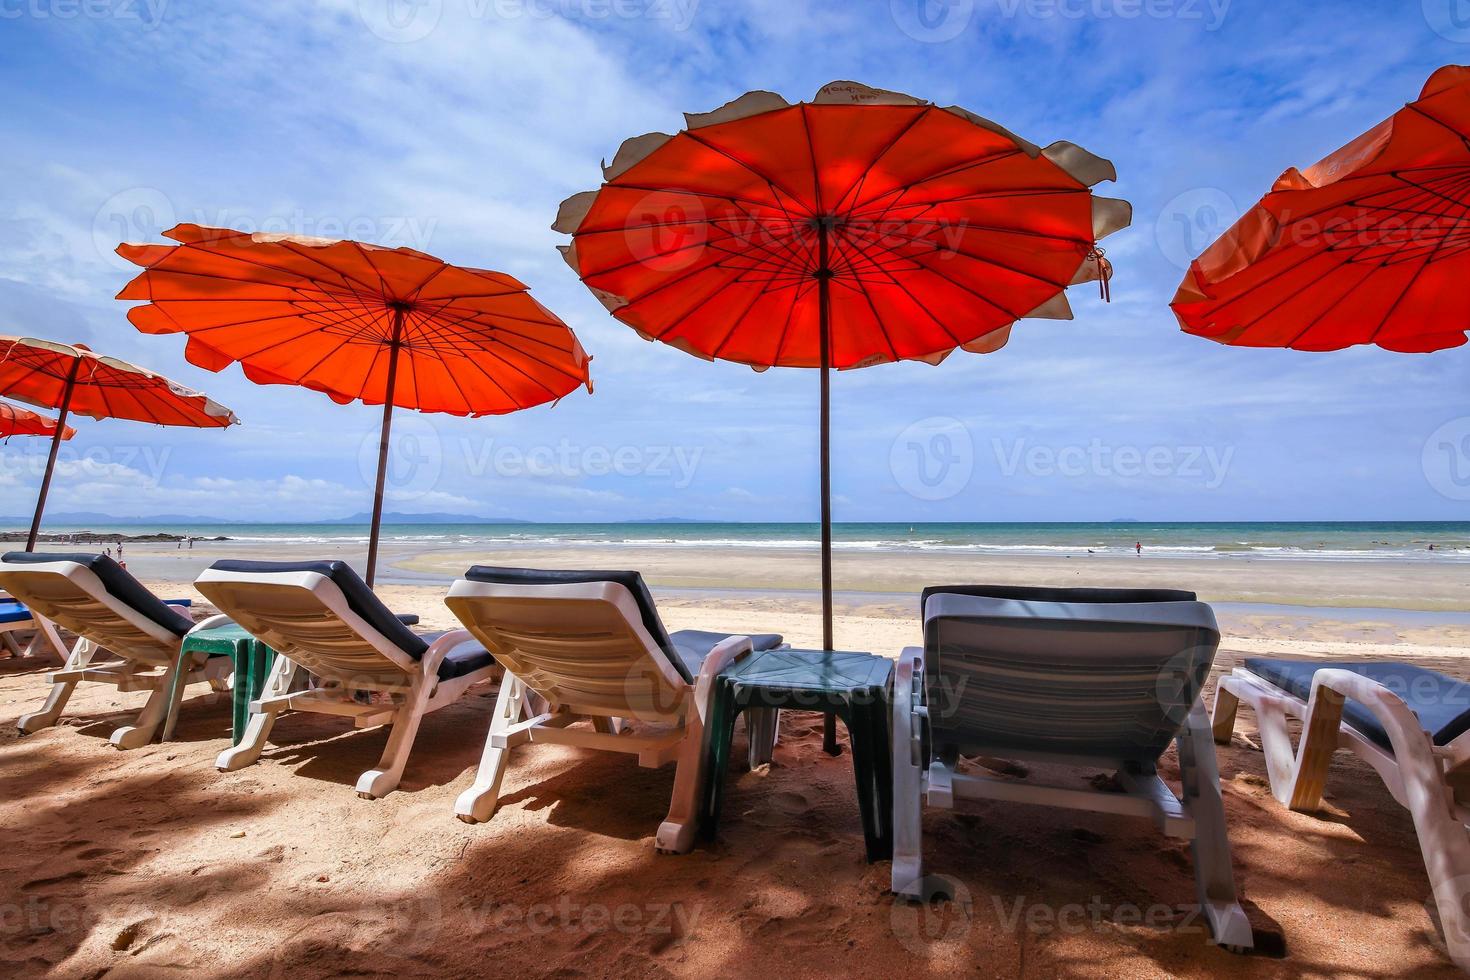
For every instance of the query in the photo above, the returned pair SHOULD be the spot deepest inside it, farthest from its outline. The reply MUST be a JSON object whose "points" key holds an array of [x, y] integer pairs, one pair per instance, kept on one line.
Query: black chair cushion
{"points": [[360, 599], [686, 649], [464, 659], [118, 583], [632, 581], [1441, 702], [1027, 593], [693, 646]]}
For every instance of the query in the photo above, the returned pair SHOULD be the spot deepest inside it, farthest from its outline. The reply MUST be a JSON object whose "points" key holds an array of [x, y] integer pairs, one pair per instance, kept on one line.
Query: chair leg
{"points": [[477, 804], [908, 784], [252, 743], [81, 655], [677, 833], [379, 782], [1213, 874], [762, 731], [162, 703], [1226, 706]]}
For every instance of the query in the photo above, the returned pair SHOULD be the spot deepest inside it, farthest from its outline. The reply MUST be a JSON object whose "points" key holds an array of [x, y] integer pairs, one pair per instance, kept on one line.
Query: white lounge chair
{"points": [[127, 636], [590, 646], [321, 617], [16, 617], [1092, 678], [1410, 724]]}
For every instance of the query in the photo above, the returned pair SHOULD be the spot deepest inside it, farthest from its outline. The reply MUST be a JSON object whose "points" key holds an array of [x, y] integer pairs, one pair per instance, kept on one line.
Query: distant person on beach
{"points": [[1139, 549]]}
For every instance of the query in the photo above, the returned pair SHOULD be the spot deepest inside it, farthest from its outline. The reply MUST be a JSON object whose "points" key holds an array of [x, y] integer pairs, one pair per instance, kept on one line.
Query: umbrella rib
{"points": [[899, 283], [716, 350], [1312, 324], [786, 325], [897, 138], [771, 182]]}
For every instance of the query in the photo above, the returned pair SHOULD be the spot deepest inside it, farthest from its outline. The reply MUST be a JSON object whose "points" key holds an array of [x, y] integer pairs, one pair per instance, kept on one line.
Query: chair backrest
{"points": [[1108, 681], [97, 599], [320, 614], [587, 641]]}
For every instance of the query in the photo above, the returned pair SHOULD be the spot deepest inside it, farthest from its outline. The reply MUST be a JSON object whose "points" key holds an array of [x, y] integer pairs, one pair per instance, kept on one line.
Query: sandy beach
{"points": [[128, 864]]}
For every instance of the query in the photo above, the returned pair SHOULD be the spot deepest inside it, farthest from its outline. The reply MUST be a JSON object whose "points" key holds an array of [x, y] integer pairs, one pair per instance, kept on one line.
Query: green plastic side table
{"points": [[252, 661], [850, 686]]}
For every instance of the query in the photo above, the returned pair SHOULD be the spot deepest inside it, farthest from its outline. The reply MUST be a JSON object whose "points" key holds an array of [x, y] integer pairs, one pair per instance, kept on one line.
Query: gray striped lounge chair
{"points": [[1094, 678]]}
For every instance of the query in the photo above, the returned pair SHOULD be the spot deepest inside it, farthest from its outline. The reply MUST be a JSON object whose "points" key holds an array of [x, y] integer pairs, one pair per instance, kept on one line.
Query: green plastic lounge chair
{"points": [[322, 618], [1094, 678], [1410, 724], [127, 636], [590, 646]]}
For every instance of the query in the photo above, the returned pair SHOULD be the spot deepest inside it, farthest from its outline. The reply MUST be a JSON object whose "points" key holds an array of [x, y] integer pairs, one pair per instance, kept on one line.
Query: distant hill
{"points": [[396, 518], [82, 518]]}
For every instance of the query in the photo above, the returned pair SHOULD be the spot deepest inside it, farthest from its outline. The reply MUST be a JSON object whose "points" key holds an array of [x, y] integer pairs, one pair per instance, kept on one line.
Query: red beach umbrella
{"points": [[859, 228], [1369, 246], [72, 379], [385, 326], [17, 421]]}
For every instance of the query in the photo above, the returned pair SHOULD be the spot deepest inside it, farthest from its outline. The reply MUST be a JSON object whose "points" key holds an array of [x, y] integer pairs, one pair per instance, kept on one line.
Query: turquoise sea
{"points": [[1362, 541]]}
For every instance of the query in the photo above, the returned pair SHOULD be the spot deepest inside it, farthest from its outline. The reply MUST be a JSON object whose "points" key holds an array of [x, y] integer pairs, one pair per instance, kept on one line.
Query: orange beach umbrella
{"points": [[860, 228], [1369, 246], [17, 421], [74, 380], [385, 326]]}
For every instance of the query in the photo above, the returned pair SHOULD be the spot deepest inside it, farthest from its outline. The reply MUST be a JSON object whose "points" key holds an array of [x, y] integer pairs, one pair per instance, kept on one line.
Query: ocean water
{"points": [[1341, 541]]}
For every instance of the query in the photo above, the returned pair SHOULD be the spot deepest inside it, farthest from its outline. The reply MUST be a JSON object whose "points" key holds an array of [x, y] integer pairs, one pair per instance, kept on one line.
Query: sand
{"points": [[150, 862]]}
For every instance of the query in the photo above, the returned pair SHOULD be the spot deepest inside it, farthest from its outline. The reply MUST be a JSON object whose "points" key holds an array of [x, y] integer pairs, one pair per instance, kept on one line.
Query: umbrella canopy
{"points": [[1370, 246], [73, 379], [17, 421], [860, 228], [386, 326]]}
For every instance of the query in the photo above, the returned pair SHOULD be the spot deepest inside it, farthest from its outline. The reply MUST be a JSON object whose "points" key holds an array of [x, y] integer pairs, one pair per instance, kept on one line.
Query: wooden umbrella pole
{"points": [[824, 316], [393, 348], [71, 383]]}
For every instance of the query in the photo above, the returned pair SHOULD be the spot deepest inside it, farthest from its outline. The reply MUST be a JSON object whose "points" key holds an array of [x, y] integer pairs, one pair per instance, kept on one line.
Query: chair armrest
{"points": [[725, 653], [210, 623], [440, 648]]}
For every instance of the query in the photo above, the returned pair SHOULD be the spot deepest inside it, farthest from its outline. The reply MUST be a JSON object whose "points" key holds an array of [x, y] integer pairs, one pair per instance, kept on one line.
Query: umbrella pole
{"points": [[824, 316], [71, 383], [393, 347]]}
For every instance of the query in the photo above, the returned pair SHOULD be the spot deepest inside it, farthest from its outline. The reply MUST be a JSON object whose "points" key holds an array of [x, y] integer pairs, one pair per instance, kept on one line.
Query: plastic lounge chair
{"points": [[590, 645], [1410, 724], [113, 614], [321, 617], [15, 618], [1096, 678]]}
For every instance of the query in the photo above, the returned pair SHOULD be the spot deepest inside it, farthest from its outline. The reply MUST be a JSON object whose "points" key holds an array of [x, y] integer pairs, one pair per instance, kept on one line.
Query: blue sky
{"points": [[457, 126]]}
